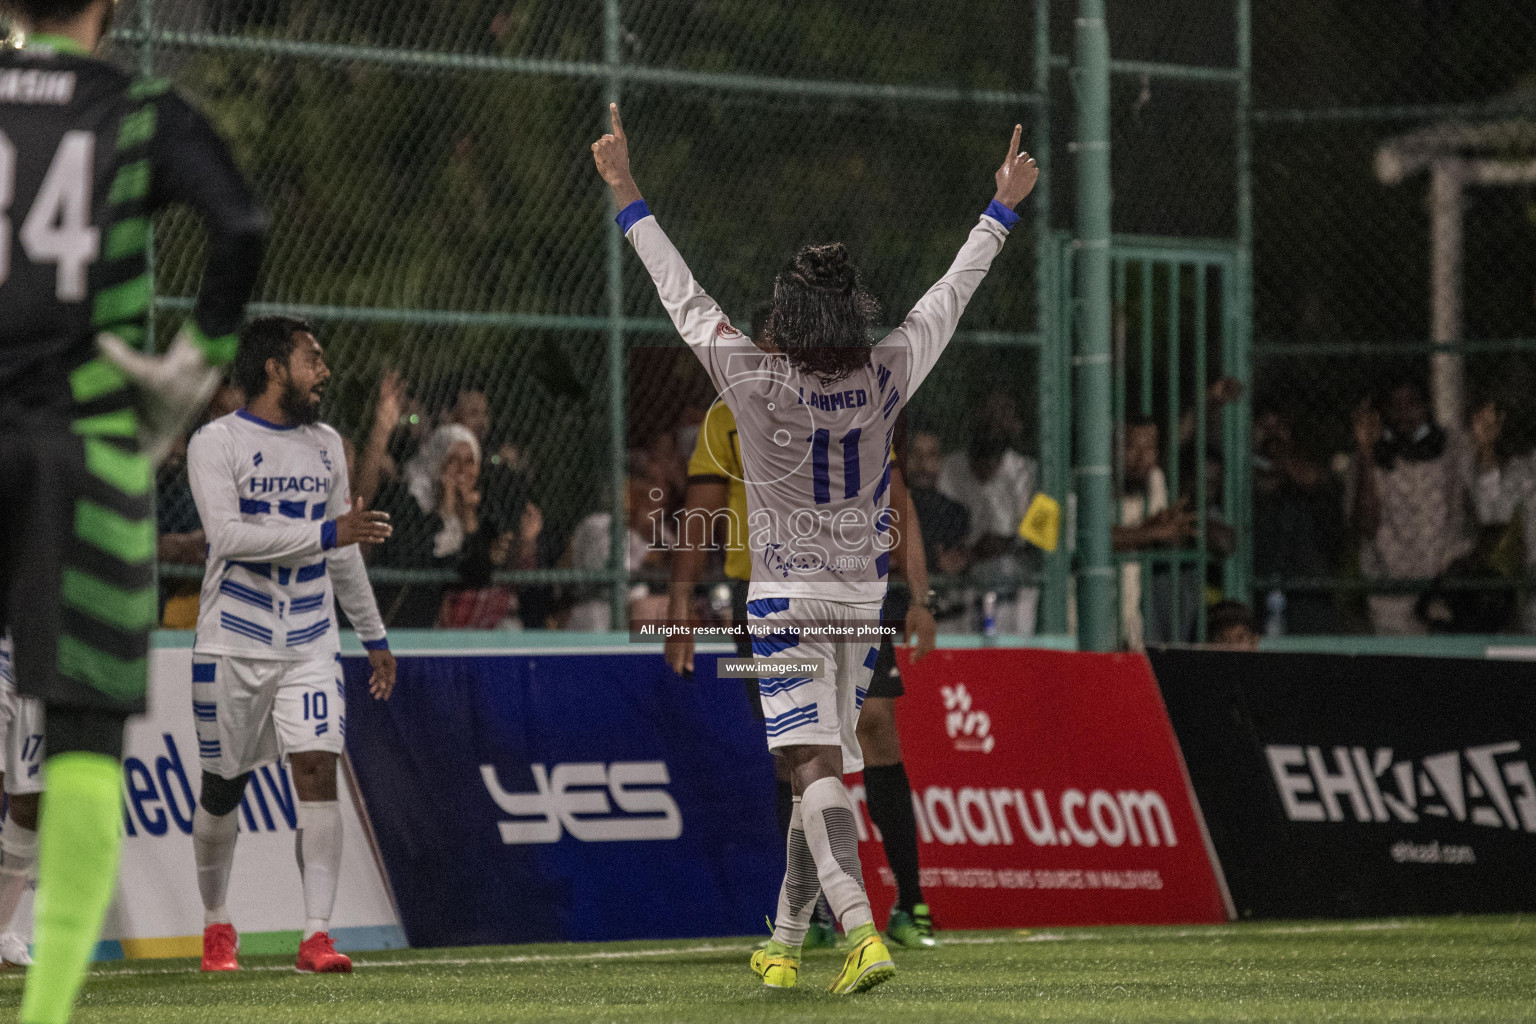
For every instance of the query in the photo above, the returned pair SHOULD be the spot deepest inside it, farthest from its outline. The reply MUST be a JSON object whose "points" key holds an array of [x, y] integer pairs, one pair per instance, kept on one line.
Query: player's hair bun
{"points": [[822, 315], [827, 268]]}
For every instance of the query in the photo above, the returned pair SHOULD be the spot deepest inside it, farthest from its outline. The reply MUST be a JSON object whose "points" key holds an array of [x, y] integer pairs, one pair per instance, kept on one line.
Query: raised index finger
{"points": [[618, 125], [1013, 144]]}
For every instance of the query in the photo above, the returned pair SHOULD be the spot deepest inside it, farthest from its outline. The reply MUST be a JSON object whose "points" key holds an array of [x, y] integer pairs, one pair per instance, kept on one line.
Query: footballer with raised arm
{"points": [[87, 155], [270, 482], [815, 405]]}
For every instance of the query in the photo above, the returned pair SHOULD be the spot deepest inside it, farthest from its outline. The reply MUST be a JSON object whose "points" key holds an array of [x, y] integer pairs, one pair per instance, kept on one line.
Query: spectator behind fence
{"points": [[515, 525], [1147, 523], [1220, 537], [995, 484], [1472, 595], [1408, 495], [946, 523], [435, 509], [376, 464], [1505, 496], [503, 474], [1229, 625], [1296, 506], [648, 543]]}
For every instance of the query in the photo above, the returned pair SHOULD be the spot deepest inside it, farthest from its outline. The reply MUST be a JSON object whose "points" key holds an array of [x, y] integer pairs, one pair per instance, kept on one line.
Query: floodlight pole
{"points": [[1097, 590]]}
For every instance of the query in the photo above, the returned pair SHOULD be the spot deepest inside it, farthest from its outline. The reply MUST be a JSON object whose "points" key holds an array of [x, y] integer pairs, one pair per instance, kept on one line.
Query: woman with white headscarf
{"points": [[435, 509], [443, 478]]}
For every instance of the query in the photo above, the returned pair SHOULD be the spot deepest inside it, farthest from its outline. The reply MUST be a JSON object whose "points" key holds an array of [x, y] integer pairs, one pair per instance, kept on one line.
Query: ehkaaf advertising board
{"points": [[1352, 786]]}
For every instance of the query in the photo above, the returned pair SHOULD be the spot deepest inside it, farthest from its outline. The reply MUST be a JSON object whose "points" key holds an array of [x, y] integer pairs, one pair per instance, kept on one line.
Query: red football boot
{"points": [[220, 944], [317, 955]]}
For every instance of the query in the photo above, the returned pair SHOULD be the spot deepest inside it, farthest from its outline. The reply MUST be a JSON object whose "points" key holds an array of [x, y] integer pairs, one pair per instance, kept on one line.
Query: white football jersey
{"points": [[269, 497], [816, 459]]}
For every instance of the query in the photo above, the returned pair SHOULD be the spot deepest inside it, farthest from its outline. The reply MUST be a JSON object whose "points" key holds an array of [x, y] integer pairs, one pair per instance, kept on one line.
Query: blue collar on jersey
{"points": [[245, 415], [57, 43]]}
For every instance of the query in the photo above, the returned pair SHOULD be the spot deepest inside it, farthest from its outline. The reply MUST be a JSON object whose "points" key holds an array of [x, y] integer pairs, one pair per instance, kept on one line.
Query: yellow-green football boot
{"points": [[868, 964], [777, 964], [912, 930]]}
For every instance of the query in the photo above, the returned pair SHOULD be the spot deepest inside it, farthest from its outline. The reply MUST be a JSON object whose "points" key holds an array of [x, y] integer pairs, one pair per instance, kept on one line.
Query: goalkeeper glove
{"points": [[172, 387]]}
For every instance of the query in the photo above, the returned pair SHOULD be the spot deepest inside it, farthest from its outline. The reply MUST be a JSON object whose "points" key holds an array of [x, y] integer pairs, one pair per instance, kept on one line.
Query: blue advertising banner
{"points": [[549, 796]]}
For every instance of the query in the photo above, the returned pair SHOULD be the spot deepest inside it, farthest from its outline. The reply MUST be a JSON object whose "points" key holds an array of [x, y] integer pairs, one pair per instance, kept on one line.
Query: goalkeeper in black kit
{"points": [[87, 155]]}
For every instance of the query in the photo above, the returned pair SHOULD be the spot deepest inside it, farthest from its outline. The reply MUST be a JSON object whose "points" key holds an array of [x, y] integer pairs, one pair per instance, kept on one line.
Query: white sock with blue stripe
{"points": [[833, 836], [318, 846], [213, 848], [18, 856]]}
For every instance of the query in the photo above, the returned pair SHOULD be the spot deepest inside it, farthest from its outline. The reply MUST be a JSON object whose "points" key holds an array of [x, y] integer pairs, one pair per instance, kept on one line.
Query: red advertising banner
{"points": [[1049, 790]]}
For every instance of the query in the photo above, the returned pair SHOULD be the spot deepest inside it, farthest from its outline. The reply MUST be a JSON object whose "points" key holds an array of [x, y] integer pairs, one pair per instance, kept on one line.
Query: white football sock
{"points": [[319, 851], [833, 837], [797, 893], [18, 854], [213, 848]]}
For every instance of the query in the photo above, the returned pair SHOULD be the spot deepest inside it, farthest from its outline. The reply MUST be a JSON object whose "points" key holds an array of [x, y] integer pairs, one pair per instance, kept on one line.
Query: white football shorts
{"points": [[822, 709], [253, 711], [21, 730]]}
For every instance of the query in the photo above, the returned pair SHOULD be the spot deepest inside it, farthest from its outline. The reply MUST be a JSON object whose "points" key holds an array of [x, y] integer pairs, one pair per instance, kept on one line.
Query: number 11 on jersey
{"points": [[821, 472]]}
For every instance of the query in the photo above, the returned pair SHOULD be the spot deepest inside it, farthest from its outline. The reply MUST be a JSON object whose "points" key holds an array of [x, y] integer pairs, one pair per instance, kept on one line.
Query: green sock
{"points": [[79, 839], [862, 932], [777, 948]]}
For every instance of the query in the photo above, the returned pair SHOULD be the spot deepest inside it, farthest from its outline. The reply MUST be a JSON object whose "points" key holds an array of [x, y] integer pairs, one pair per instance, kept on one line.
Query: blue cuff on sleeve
{"points": [[381, 644], [632, 214], [328, 535], [1000, 213]]}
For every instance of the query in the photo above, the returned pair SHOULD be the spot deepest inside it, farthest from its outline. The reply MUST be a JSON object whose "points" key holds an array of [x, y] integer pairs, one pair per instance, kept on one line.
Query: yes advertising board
{"points": [[1361, 786], [525, 797], [1048, 790], [157, 910]]}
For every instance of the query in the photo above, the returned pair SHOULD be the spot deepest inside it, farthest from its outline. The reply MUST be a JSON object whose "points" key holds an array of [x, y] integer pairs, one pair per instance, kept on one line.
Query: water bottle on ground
{"points": [[1274, 613]]}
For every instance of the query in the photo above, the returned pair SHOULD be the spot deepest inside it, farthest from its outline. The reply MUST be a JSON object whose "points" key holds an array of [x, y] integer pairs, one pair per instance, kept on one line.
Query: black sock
{"points": [[72, 730], [784, 800], [888, 795]]}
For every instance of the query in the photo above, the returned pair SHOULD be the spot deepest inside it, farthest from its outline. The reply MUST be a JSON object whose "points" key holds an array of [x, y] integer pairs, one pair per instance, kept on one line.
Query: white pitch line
{"points": [[977, 940], [430, 961], [1212, 930]]}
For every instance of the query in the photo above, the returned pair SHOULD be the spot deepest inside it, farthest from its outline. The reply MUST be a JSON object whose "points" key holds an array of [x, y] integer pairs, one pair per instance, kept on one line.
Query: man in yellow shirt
{"points": [[716, 493]]}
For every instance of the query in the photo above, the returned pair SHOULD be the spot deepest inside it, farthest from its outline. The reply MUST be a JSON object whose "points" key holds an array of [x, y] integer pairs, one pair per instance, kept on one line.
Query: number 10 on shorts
{"points": [[316, 706]]}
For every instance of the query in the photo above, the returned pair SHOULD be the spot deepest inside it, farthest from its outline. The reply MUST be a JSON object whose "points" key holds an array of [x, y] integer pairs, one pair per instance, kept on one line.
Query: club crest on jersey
{"points": [[325, 458], [724, 330], [256, 459]]}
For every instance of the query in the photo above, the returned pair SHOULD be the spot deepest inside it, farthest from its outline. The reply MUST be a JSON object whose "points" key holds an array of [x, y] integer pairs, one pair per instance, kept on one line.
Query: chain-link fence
{"points": [[437, 217], [1394, 158]]}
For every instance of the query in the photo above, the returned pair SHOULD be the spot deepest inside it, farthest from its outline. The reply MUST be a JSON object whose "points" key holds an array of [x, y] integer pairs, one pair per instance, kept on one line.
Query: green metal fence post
{"points": [[618, 371], [1096, 592], [1238, 499], [1055, 409], [147, 69]]}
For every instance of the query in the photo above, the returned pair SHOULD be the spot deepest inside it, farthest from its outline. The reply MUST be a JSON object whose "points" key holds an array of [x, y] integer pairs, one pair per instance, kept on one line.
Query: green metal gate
{"points": [[1177, 323]]}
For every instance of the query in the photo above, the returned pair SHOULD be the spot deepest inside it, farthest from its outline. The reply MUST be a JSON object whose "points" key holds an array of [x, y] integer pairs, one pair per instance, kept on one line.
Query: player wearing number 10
{"points": [[815, 405], [87, 155]]}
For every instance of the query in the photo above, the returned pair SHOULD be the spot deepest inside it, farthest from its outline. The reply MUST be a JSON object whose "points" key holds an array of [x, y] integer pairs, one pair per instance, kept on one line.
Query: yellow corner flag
{"points": [[1041, 525]]}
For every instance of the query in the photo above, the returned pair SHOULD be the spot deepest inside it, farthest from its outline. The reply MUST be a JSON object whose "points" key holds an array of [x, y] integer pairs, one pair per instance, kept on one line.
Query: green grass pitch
{"points": [[1451, 969]]}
